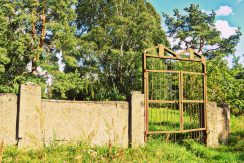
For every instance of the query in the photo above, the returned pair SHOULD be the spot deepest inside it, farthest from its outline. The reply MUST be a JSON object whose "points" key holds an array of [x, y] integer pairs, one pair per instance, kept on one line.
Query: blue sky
{"points": [[230, 15]]}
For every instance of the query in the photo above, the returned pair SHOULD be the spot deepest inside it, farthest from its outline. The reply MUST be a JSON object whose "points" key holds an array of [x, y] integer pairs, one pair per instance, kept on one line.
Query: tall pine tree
{"points": [[34, 32]]}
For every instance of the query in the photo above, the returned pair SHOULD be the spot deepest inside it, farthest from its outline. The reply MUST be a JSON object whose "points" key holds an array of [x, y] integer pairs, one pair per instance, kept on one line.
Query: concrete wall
{"points": [[29, 121], [8, 115], [137, 121], [98, 123], [29, 116], [218, 125], [33, 122]]}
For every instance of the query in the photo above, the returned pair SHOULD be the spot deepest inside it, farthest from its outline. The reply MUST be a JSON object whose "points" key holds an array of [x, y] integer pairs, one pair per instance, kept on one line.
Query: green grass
{"points": [[164, 119], [155, 150], [237, 133]]}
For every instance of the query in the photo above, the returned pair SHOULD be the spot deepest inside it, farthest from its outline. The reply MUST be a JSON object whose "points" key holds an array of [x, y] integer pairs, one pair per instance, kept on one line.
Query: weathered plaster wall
{"points": [[8, 115], [98, 123], [137, 133], [38, 121], [29, 119], [218, 124]]}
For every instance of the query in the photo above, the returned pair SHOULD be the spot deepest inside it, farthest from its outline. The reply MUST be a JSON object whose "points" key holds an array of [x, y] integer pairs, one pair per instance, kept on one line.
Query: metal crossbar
{"points": [[175, 88]]}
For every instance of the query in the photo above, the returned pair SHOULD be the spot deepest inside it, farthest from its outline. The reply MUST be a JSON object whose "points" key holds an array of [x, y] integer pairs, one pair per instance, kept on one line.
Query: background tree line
{"points": [[91, 50]]}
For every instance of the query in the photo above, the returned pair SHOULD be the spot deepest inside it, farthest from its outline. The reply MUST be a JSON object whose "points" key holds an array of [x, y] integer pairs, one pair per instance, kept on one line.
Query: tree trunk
{"points": [[33, 35], [43, 33]]}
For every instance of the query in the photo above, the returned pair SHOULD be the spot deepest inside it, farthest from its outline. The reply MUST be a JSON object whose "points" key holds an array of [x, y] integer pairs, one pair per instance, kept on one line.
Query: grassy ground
{"points": [[154, 151], [163, 119]]}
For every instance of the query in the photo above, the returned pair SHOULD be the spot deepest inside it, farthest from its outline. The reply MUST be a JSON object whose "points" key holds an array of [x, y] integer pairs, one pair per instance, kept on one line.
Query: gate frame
{"points": [[175, 56]]}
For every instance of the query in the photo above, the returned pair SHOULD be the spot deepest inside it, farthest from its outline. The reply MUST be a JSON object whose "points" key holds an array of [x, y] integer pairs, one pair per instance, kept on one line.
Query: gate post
{"points": [[30, 125], [218, 122], [137, 119]]}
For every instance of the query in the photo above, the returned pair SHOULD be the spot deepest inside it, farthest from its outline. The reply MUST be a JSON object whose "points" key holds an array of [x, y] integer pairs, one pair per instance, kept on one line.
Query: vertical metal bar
{"points": [[171, 85], [151, 98], [186, 119], [145, 84], [151, 90], [160, 95], [160, 110], [194, 120], [164, 99], [143, 74], [181, 101], [147, 105], [176, 95], [185, 88], [179, 87], [205, 96]]}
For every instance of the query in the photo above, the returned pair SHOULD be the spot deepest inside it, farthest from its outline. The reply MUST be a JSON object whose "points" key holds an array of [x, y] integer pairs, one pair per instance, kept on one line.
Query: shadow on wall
{"points": [[30, 121]]}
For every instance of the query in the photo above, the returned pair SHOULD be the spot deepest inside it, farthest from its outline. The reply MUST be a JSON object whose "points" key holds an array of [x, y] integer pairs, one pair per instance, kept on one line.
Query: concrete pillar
{"points": [[30, 131], [137, 121], [218, 125]]}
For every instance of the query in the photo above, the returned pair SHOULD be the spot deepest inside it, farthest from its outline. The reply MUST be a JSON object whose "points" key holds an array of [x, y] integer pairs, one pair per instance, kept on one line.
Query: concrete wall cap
{"points": [[135, 92], [30, 83], [82, 102], [8, 94]]}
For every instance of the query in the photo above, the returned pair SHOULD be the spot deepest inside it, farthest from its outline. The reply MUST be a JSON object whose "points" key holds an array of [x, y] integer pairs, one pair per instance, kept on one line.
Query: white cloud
{"points": [[239, 1], [224, 11], [61, 65], [173, 41], [176, 41], [210, 47], [240, 50], [225, 29], [206, 11], [239, 53]]}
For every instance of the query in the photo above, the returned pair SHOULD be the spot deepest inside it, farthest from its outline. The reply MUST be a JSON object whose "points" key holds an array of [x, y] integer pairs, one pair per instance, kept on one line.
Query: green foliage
{"points": [[14, 43], [61, 89], [3, 59], [21, 29], [196, 29], [101, 42], [116, 33], [225, 85], [112, 94]]}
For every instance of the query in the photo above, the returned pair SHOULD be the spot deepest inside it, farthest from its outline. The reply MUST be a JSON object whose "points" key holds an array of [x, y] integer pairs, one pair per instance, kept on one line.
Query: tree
{"points": [[3, 51], [32, 33], [14, 43], [114, 35], [196, 29], [101, 48], [237, 96]]}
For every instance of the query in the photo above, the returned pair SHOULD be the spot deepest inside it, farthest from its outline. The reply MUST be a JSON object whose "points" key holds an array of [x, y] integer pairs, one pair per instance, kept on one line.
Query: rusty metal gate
{"points": [[175, 91]]}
